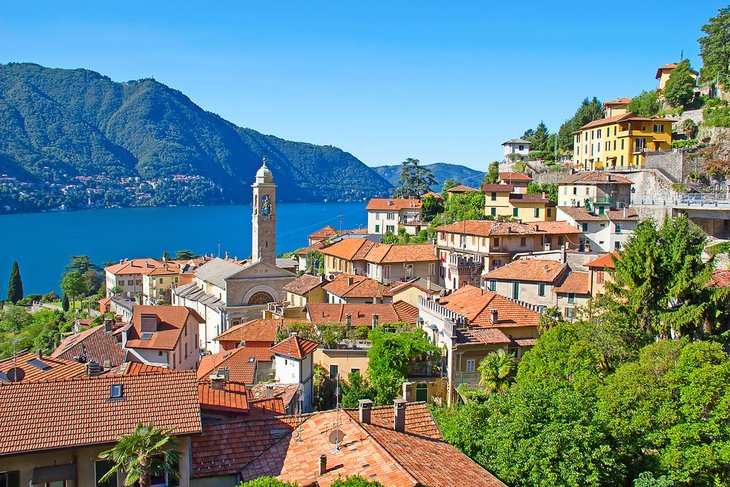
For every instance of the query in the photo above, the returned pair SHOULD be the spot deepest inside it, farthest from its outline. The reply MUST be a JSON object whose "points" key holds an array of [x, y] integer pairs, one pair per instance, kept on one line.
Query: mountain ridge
{"points": [[441, 172]]}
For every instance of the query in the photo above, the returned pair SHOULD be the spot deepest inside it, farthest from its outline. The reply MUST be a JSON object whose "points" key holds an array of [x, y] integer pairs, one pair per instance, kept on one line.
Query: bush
{"points": [[645, 104], [267, 482], [717, 114], [683, 144], [689, 127]]}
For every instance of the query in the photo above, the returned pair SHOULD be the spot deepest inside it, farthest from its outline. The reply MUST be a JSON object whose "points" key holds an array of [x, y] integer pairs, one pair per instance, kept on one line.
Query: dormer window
{"points": [[116, 391]]}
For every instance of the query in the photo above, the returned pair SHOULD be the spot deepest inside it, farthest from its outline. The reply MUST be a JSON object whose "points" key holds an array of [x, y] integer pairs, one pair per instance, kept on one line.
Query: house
{"points": [[293, 365], [347, 255], [518, 180], [28, 366], [349, 288], [574, 291], [460, 189], [663, 73], [166, 336], [432, 195], [302, 290], [503, 200], [612, 108], [157, 283], [388, 263], [532, 281], [594, 190], [363, 314], [244, 365], [516, 149], [471, 323], [225, 293], [600, 271], [96, 345], [604, 229], [620, 141], [323, 234], [73, 420], [255, 333], [388, 215], [301, 254], [395, 445], [125, 278], [470, 248], [410, 290]]}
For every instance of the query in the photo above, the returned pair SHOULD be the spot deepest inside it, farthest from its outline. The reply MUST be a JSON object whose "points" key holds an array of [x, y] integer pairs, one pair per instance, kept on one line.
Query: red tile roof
{"points": [[580, 214], [349, 248], [392, 204], [576, 283], [74, 412], [606, 261], [143, 266], [669, 67], [231, 398], [529, 198], [498, 188], [100, 346], [594, 177], [323, 233], [433, 195], [529, 270], [362, 314], [318, 245], [462, 189], [241, 362], [617, 101], [352, 286], [514, 176], [262, 392], [484, 228], [294, 347], [395, 254], [720, 278], [624, 117], [476, 305], [303, 284], [172, 320], [258, 330], [44, 368]]}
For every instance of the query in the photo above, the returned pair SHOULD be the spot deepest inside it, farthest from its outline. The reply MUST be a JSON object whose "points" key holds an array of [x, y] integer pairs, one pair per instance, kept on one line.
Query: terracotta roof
{"points": [[606, 261], [472, 335], [355, 231], [44, 368], [418, 283], [135, 368], [462, 189], [669, 67], [351, 286], [392, 204], [258, 330], [231, 398], [285, 392], [323, 233], [579, 214], [172, 320], [289, 448], [475, 304], [720, 278], [594, 177], [618, 101], [624, 117], [529, 198], [294, 347], [530, 270], [576, 283], [303, 284], [349, 248], [99, 345], [241, 362], [511, 176], [516, 141], [319, 244], [484, 228], [362, 314], [432, 194], [498, 188], [138, 266], [73, 412], [397, 253]]}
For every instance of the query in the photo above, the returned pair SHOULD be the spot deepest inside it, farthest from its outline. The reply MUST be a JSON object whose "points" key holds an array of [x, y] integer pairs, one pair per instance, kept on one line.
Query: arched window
{"points": [[260, 297]]}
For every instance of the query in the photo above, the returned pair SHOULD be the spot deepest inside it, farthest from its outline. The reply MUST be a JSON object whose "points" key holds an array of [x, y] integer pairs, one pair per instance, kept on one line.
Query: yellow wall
{"points": [[345, 359], [613, 145], [502, 206]]}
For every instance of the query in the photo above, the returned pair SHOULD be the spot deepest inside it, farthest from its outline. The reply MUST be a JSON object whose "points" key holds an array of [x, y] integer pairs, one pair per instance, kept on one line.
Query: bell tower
{"points": [[264, 217]]}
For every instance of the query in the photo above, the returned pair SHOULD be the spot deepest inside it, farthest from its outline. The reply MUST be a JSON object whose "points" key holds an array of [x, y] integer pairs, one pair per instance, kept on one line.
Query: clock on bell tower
{"points": [[264, 217]]}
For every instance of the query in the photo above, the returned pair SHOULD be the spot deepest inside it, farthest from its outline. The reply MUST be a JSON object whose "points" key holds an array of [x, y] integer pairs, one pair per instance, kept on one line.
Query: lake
{"points": [[42, 243]]}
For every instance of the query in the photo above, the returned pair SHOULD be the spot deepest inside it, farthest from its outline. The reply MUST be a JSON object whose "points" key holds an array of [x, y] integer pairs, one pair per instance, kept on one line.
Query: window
{"points": [[614, 145], [537, 212], [523, 241], [493, 211], [515, 211], [521, 147], [516, 290], [541, 289], [618, 227], [377, 228], [614, 133], [390, 216], [617, 245], [10, 479], [575, 190], [565, 190], [571, 298], [116, 391], [355, 371], [495, 242], [471, 365], [186, 349], [390, 228], [599, 277], [622, 143], [584, 227], [569, 313], [431, 269], [658, 128], [334, 371], [101, 467], [386, 272], [491, 285], [560, 241], [494, 196], [549, 212], [409, 271]]}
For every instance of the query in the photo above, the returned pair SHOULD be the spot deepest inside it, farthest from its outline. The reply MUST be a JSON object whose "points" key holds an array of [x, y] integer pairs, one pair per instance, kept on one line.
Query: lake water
{"points": [[43, 242]]}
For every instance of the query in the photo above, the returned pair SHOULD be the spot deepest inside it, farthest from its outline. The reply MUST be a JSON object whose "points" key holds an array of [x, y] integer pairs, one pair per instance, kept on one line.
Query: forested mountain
{"points": [[60, 126], [441, 172]]}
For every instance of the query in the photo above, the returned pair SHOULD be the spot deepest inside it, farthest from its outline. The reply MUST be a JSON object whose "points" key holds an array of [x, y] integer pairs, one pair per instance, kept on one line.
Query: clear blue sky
{"points": [[384, 80]]}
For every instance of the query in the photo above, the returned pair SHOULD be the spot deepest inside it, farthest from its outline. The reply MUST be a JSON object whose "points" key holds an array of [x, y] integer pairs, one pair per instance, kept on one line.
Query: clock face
{"points": [[265, 207]]}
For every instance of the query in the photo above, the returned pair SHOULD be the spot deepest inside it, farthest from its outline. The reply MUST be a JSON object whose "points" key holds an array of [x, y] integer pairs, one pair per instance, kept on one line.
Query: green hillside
{"points": [[58, 126], [441, 172]]}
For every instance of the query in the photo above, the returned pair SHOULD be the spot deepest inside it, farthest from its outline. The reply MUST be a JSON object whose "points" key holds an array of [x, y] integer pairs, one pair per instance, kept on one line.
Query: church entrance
{"points": [[260, 297]]}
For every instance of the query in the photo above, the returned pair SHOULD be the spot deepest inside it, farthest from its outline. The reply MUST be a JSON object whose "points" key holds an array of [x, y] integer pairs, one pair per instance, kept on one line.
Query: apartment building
{"points": [[504, 200], [388, 215]]}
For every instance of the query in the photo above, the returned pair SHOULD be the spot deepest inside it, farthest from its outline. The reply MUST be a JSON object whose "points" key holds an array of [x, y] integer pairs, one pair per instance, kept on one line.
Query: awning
{"points": [[54, 473]]}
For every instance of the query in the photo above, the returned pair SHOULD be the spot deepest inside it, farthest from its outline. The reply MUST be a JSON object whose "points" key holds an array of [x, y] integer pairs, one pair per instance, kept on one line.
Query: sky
{"points": [[383, 80]]}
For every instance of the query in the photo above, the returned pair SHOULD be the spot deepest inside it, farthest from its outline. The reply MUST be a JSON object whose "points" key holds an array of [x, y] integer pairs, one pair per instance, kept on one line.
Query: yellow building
{"points": [[663, 73], [620, 141], [502, 201]]}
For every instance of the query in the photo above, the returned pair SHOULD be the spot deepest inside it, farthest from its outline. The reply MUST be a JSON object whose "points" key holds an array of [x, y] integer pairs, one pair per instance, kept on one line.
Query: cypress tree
{"points": [[15, 286], [64, 302]]}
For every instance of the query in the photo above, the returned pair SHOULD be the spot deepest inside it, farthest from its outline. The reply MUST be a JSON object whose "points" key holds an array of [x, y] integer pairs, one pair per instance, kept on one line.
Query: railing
{"points": [[699, 202], [470, 378]]}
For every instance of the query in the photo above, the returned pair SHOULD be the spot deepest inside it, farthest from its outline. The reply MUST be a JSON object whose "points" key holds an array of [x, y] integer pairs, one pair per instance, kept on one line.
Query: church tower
{"points": [[264, 217]]}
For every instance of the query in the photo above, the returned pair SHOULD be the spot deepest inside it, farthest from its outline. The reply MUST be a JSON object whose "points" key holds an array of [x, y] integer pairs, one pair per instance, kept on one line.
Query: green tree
{"points": [[314, 262], [357, 387], [185, 255], [689, 127], [64, 302], [355, 481], [645, 104], [415, 180], [539, 138], [267, 482], [715, 48], [496, 370], [145, 452], [166, 256], [679, 89], [390, 360], [492, 173], [588, 111], [551, 189], [75, 284], [15, 285], [82, 263], [432, 206]]}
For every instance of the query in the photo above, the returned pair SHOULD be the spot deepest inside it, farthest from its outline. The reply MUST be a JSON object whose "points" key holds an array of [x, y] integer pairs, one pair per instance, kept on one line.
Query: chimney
{"points": [[626, 212], [217, 382], [348, 320], [269, 390], [322, 464], [92, 369], [537, 228], [375, 321], [494, 316], [40, 354], [408, 391], [428, 283], [365, 408], [350, 280], [399, 415], [108, 325]]}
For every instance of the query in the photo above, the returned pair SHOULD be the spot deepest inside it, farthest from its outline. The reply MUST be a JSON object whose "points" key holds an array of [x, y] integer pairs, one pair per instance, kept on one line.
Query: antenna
{"points": [[337, 435]]}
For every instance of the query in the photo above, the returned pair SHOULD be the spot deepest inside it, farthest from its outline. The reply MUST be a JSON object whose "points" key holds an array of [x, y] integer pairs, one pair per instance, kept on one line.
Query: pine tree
{"points": [[64, 302], [15, 286]]}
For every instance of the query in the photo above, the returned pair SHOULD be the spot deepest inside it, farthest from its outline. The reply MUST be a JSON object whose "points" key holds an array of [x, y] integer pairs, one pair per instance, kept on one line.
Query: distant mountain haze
{"points": [[57, 124], [441, 172]]}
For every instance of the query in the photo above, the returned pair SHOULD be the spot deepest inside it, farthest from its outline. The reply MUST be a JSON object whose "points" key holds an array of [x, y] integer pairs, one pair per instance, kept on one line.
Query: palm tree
{"points": [[496, 370], [147, 451]]}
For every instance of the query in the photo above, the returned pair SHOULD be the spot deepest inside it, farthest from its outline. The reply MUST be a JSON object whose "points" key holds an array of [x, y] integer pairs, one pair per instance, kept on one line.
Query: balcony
{"points": [[470, 378]]}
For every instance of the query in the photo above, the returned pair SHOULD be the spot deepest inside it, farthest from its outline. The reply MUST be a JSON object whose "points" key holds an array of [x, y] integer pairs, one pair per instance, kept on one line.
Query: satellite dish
{"points": [[336, 437], [16, 374]]}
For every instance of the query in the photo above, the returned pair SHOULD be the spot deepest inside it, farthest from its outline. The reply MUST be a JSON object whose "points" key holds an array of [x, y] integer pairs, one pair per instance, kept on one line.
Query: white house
{"points": [[603, 230], [293, 365], [520, 147], [389, 214]]}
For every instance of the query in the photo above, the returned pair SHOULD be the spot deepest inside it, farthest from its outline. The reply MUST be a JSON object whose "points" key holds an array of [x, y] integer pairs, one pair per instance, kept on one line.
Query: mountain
{"points": [[441, 172], [78, 127]]}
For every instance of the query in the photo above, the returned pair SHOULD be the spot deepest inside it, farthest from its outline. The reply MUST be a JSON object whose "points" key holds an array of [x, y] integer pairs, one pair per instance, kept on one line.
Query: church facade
{"points": [[225, 293]]}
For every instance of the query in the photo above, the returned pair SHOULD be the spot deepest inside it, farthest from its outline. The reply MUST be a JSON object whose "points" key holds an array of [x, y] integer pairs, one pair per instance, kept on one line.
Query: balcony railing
{"points": [[469, 378]]}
